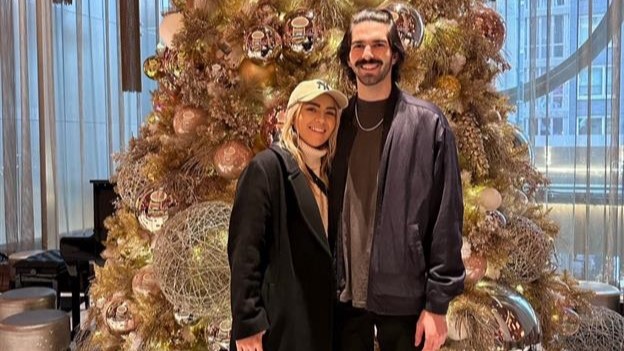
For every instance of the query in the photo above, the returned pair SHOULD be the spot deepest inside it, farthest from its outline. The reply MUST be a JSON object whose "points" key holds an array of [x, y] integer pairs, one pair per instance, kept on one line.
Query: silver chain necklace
{"points": [[357, 119]]}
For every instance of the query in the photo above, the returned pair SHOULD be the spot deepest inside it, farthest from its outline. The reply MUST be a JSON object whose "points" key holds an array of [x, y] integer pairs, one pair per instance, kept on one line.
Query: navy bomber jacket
{"points": [[416, 252]]}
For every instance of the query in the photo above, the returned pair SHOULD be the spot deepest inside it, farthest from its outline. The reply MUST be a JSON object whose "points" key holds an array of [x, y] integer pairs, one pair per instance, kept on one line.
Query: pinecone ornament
{"points": [[470, 144]]}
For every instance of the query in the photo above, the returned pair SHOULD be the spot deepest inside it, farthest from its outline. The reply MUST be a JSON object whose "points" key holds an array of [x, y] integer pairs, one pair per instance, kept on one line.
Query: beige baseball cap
{"points": [[309, 90]]}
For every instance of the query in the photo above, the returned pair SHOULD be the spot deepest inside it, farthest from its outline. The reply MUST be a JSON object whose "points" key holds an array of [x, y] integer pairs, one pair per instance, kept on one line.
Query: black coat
{"points": [[416, 252], [280, 260]]}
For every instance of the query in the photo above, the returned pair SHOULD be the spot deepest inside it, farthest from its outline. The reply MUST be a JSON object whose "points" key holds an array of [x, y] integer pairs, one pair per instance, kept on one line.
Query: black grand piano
{"points": [[81, 248]]}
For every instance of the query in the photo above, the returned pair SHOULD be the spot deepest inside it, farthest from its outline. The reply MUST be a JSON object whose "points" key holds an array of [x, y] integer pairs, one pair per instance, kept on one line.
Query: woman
{"points": [[281, 265]]}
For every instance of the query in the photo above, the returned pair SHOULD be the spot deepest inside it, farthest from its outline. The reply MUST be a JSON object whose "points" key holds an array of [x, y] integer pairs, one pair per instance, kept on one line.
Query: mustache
{"points": [[363, 62]]}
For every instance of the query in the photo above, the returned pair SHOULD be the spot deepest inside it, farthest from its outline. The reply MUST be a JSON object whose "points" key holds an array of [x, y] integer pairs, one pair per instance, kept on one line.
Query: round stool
{"points": [[25, 299], [40, 330], [605, 295]]}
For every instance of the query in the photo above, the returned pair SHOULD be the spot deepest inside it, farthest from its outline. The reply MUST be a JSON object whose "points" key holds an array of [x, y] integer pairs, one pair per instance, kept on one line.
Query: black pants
{"points": [[354, 330]]}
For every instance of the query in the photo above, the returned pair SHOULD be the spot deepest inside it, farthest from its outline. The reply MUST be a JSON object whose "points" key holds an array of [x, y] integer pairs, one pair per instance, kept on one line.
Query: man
{"points": [[396, 207]]}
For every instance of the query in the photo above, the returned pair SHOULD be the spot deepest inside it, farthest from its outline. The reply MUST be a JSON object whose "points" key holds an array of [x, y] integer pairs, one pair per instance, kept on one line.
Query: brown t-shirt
{"points": [[360, 198]]}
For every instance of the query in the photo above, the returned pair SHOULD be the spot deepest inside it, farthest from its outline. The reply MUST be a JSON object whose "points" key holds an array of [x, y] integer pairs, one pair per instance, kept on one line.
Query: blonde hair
{"points": [[289, 141]]}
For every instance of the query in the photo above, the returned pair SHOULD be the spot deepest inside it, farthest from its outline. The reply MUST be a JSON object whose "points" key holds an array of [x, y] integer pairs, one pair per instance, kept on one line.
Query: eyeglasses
{"points": [[376, 47]]}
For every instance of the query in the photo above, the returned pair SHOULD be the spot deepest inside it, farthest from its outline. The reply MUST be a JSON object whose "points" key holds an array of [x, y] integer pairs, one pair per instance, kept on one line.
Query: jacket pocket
{"points": [[402, 273]]}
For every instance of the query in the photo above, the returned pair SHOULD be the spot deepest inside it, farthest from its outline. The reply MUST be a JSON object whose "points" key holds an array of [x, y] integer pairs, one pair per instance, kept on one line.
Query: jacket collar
{"points": [[304, 196]]}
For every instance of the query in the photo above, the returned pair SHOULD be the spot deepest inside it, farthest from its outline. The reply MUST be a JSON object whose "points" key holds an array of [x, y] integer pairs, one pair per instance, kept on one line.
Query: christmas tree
{"points": [[224, 75]]}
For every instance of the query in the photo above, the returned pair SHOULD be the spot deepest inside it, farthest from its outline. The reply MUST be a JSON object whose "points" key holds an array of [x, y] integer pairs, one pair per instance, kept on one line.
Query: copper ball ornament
{"points": [[153, 208], [187, 119], [231, 158], [263, 44], [490, 199], [491, 26], [409, 23], [301, 33], [476, 266], [144, 282], [118, 315]]}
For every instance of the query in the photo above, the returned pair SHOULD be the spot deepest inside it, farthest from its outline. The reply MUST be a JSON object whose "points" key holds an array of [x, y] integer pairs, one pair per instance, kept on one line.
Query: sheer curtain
{"points": [[63, 112], [566, 83]]}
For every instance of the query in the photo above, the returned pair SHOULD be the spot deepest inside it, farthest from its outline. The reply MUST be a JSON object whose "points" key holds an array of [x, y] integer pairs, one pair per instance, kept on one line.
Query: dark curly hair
{"points": [[373, 15]]}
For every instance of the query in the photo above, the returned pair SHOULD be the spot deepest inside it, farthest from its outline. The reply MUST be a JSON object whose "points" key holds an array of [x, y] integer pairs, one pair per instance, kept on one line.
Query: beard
{"points": [[370, 79]]}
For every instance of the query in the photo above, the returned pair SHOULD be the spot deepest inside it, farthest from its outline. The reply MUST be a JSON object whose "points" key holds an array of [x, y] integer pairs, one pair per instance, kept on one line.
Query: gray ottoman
{"points": [[19, 300], [39, 330], [605, 295]]}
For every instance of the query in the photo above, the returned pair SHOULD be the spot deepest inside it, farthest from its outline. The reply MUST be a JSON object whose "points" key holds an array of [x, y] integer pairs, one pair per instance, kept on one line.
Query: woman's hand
{"points": [[250, 343]]}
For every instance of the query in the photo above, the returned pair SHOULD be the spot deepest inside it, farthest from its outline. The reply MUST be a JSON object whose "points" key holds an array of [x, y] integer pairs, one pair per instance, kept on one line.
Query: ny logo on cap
{"points": [[322, 85]]}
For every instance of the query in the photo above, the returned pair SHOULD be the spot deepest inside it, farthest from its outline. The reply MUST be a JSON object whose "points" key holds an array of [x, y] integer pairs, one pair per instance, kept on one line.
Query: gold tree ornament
{"points": [[490, 199], [490, 25], [172, 24], [476, 266], [301, 33], [152, 68], [187, 119], [409, 23], [153, 118], [144, 282], [255, 75], [470, 144], [231, 158], [154, 207], [518, 324], [190, 261], [263, 44], [119, 315]]}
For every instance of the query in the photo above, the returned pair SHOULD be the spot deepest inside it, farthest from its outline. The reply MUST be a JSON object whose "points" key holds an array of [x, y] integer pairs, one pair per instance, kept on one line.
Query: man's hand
{"points": [[250, 343], [433, 326]]}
